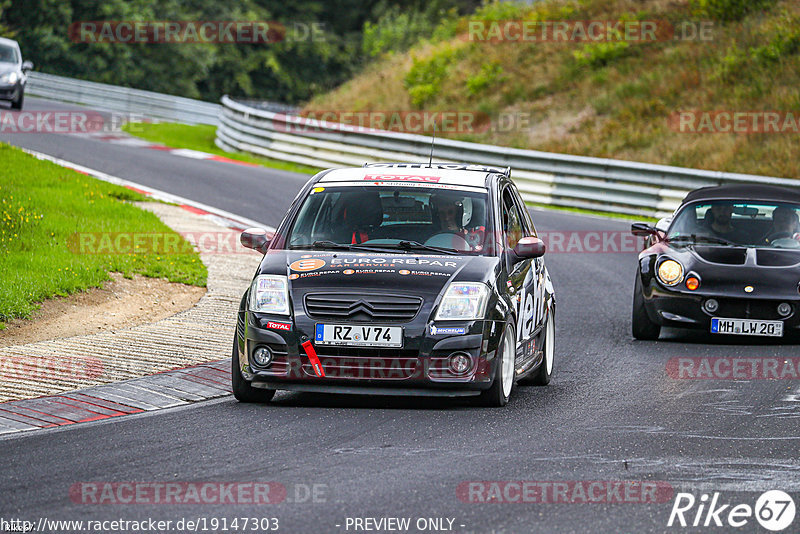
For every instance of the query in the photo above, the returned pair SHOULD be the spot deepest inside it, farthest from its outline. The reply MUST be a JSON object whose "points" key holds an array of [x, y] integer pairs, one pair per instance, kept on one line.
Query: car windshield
{"points": [[737, 223], [403, 218], [8, 54]]}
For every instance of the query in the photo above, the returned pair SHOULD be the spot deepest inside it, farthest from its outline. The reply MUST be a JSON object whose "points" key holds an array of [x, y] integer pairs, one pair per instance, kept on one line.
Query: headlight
{"points": [[670, 272], [9, 77], [270, 294], [463, 301]]}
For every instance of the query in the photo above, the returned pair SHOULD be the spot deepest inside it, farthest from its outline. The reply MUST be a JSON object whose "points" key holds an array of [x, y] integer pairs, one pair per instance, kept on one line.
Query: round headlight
{"points": [[670, 272], [460, 363], [262, 356]]}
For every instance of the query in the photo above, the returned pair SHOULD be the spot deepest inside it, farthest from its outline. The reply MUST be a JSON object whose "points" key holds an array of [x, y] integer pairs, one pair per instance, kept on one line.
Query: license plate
{"points": [[360, 335], [746, 327]]}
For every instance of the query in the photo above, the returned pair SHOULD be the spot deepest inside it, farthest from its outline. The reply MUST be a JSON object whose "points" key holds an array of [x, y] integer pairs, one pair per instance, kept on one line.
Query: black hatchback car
{"points": [[398, 279], [727, 262]]}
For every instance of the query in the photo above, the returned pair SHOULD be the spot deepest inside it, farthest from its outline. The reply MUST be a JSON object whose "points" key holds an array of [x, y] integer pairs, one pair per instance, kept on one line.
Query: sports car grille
{"points": [[749, 309], [381, 307]]}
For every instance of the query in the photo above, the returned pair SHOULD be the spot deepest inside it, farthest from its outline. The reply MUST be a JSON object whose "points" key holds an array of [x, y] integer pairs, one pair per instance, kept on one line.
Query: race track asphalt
{"points": [[611, 413]]}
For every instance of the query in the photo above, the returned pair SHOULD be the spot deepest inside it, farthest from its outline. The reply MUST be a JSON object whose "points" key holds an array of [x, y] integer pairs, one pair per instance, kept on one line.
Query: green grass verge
{"points": [[43, 208], [201, 137]]}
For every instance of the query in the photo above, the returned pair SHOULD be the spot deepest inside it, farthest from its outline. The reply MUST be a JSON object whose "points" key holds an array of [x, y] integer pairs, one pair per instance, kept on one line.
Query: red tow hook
{"points": [[312, 355]]}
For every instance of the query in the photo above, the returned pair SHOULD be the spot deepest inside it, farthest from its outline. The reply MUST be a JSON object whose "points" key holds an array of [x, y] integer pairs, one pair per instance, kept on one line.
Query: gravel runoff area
{"points": [[200, 334]]}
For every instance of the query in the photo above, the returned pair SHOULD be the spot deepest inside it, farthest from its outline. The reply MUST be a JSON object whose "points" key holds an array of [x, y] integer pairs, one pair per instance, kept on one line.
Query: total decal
{"points": [[774, 510]]}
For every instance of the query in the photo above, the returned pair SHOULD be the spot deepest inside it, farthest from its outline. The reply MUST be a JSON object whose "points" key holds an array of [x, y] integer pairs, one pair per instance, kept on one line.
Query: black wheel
{"points": [[242, 389], [504, 371], [545, 371], [17, 104], [641, 325]]}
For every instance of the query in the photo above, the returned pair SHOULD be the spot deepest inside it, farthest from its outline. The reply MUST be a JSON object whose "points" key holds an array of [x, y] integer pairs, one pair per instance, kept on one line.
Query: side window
{"points": [[512, 225], [527, 222]]}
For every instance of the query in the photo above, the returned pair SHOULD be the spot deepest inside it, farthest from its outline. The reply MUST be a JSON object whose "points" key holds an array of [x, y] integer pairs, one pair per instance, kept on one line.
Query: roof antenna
{"points": [[430, 160]]}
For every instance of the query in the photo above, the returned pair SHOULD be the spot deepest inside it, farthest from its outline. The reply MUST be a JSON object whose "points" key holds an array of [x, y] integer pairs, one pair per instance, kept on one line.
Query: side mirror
{"points": [[529, 247], [27, 65], [256, 239], [643, 230]]}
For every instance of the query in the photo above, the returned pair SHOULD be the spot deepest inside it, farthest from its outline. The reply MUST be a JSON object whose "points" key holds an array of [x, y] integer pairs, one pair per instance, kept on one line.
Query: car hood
{"points": [[424, 275], [726, 271]]}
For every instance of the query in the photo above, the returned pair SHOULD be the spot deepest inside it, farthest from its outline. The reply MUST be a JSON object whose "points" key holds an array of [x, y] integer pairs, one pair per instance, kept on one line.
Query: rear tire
{"points": [[242, 389], [17, 104], [641, 326], [502, 386]]}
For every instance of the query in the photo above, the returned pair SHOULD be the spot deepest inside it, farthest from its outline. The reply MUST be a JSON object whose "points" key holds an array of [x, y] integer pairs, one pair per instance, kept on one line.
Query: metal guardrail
{"points": [[555, 179], [122, 99]]}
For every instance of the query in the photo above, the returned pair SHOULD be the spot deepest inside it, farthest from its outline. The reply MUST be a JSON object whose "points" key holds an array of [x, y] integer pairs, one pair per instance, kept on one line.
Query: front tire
{"points": [[242, 389], [17, 104], [504, 374], [545, 372], [641, 326]]}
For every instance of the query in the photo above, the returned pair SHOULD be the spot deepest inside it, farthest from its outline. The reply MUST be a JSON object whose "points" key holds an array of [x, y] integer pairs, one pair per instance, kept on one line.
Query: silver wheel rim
{"points": [[549, 347], [507, 363]]}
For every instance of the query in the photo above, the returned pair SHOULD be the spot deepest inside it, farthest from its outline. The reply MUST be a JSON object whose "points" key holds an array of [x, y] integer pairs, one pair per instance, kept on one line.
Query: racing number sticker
{"points": [[311, 264]]}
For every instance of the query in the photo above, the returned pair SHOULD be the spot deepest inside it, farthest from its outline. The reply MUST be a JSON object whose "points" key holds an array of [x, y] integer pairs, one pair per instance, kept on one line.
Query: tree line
{"points": [[323, 43]]}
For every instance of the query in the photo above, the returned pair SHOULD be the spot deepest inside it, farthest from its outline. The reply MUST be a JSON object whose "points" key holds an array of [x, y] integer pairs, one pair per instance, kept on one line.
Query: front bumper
{"points": [[9, 92], [679, 309], [421, 366]]}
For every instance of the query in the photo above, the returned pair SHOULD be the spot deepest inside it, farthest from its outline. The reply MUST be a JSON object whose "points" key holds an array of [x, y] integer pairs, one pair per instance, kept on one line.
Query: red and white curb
{"points": [[221, 217], [127, 140], [155, 392], [167, 389]]}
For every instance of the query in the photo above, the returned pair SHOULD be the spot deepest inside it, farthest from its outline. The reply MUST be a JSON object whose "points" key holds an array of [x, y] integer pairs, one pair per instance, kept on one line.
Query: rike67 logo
{"points": [[774, 510]]}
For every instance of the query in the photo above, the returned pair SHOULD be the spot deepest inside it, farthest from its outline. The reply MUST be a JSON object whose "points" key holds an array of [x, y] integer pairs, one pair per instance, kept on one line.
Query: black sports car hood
{"points": [[420, 274], [773, 273]]}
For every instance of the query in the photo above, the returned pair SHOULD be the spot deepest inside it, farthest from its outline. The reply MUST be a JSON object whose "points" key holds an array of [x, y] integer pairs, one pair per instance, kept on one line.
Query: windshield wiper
{"points": [[694, 239], [416, 245], [408, 246]]}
